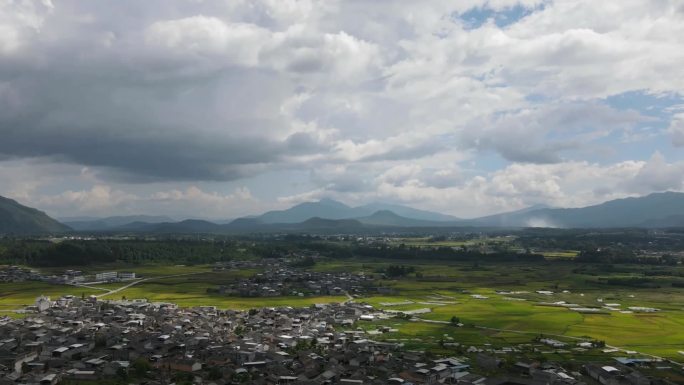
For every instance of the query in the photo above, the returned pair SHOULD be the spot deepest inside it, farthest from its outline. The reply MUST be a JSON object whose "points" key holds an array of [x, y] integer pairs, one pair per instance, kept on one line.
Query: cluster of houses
{"points": [[18, 274], [76, 339], [85, 339], [68, 277], [623, 372], [280, 279], [240, 264]]}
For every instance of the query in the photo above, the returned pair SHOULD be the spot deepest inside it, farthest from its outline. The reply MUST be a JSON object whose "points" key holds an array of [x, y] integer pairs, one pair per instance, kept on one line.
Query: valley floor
{"points": [[498, 305]]}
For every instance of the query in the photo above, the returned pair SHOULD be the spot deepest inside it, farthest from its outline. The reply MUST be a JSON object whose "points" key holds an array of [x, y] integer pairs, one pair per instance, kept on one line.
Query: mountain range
{"points": [[109, 223], [655, 210], [652, 211], [331, 209]]}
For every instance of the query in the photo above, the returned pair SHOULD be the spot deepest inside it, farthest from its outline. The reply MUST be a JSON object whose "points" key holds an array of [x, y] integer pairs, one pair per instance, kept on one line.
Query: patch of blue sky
{"points": [[651, 135], [485, 162], [642, 146], [537, 98], [661, 105], [475, 17]]}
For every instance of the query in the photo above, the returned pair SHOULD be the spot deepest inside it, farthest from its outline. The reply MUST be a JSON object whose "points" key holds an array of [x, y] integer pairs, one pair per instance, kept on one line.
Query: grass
{"points": [[427, 242], [192, 293], [660, 333], [18, 295], [560, 254], [421, 335], [187, 290], [148, 270], [191, 290]]}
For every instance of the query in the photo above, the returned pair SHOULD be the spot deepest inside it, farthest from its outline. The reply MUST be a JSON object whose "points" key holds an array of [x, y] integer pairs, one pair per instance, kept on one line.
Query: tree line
{"points": [[87, 252]]}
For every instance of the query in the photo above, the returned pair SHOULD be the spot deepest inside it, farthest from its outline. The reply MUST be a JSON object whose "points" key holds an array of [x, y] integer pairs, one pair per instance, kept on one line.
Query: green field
{"points": [[428, 242], [163, 285], [660, 333], [151, 270], [17, 295], [191, 290]]}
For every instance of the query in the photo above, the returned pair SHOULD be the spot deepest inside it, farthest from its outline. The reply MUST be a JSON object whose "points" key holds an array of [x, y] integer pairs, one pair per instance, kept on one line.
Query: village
{"points": [[67, 277], [280, 279], [77, 340]]}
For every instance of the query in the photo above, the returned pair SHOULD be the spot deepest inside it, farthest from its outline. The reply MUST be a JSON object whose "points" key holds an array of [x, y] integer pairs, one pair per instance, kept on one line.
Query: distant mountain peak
{"points": [[385, 213], [331, 209], [330, 201]]}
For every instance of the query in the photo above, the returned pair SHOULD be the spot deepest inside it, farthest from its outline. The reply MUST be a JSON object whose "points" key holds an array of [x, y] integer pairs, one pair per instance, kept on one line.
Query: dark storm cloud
{"points": [[176, 156], [216, 127]]}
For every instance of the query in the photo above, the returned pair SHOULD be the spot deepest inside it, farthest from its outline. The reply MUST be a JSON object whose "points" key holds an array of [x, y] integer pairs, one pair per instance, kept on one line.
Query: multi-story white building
{"points": [[106, 276]]}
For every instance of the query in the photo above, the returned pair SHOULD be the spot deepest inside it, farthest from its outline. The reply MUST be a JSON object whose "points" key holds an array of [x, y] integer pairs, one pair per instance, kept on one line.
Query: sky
{"points": [[218, 109]]}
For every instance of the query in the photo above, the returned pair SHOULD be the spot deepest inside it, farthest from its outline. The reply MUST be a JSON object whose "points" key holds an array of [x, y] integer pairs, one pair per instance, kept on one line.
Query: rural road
{"points": [[114, 291], [124, 287]]}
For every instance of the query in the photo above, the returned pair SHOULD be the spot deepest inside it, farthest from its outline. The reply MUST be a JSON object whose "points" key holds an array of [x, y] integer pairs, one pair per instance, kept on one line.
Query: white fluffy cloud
{"points": [[19, 21], [565, 184], [486, 105], [236, 43]]}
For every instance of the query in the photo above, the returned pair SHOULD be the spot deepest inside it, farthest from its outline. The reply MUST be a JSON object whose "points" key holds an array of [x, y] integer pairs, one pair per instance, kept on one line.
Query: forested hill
{"points": [[16, 219]]}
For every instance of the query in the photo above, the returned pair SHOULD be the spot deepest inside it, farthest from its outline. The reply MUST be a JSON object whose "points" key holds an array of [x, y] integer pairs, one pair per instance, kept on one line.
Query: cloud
{"points": [[19, 21], [658, 175], [335, 98], [520, 185], [191, 202], [201, 35], [98, 199], [676, 130], [540, 134]]}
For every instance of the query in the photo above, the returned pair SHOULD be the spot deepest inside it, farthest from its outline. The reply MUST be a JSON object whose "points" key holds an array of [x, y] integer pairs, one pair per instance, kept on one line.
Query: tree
{"points": [[141, 367], [183, 378], [455, 320]]}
